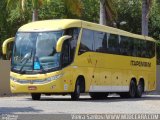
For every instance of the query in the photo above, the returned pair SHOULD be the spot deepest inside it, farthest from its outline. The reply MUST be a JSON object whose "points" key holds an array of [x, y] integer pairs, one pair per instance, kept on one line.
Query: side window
{"points": [[130, 46], [113, 44], [124, 46], [87, 41], [69, 46], [143, 48], [153, 49], [158, 53], [65, 54], [100, 39], [150, 49], [139, 48], [74, 32], [135, 47]]}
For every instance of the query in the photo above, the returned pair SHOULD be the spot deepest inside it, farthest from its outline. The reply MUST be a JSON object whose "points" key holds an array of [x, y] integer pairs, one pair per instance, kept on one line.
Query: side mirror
{"points": [[5, 46], [61, 41]]}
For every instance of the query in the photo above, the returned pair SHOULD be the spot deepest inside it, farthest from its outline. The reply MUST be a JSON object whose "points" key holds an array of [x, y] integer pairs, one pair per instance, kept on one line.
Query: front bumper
{"points": [[30, 85]]}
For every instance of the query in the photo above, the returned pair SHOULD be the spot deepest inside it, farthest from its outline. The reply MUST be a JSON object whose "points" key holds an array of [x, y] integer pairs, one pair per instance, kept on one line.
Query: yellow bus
{"points": [[67, 56]]}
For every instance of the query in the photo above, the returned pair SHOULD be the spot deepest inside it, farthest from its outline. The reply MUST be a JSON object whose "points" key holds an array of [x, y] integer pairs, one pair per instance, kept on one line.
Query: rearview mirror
{"points": [[5, 49], [61, 41]]}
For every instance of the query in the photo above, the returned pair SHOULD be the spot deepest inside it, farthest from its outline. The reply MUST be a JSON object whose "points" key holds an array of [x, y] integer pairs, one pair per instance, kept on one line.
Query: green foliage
{"points": [[129, 11], [154, 25], [57, 9], [90, 10], [11, 18], [111, 10]]}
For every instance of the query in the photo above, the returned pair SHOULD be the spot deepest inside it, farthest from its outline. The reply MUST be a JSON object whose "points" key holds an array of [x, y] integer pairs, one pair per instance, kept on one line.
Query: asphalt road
{"points": [[63, 105]]}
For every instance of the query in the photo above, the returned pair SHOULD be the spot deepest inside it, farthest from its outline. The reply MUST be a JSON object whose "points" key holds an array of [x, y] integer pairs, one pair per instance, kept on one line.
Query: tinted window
{"points": [[150, 49], [143, 48], [125, 46], [66, 54], [74, 32], [158, 53], [137, 47], [69, 46], [87, 41], [113, 44], [100, 39]]}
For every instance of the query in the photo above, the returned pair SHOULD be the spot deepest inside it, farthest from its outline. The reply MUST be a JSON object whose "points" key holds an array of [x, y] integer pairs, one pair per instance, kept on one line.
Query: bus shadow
{"points": [[13, 110], [119, 99], [108, 99]]}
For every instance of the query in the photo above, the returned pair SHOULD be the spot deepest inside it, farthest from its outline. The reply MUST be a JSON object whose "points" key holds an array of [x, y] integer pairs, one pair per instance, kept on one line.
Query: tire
{"points": [[140, 89], [96, 95], [132, 89], [76, 94], [36, 96]]}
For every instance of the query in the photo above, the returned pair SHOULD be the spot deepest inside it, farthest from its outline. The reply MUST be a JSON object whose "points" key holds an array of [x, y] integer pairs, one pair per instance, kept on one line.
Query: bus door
{"points": [[68, 54]]}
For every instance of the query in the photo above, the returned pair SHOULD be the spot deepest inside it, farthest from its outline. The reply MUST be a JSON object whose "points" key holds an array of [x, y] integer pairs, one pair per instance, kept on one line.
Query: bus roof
{"points": [[50, 25], [59, 24]]}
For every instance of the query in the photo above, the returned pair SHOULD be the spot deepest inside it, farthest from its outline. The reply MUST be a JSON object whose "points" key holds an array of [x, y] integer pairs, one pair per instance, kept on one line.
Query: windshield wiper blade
{"points": [[26, 58]]}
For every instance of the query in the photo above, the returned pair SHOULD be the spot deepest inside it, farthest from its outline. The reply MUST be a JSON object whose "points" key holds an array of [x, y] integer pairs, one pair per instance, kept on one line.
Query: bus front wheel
{"points": [[36, 96], [76, 94]]}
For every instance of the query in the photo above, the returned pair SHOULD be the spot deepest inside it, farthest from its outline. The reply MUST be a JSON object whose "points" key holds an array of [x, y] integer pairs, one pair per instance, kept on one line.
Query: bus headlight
{"points": [[14, 79], [54, 77]]}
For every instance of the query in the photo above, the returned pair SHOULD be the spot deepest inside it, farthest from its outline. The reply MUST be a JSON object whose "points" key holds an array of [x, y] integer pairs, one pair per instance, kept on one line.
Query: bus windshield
{"points": [[41, 48]]}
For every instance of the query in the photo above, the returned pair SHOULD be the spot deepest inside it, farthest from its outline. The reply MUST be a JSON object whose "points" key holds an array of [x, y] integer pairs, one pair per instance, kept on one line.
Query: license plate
{"points": [[32, 88]]}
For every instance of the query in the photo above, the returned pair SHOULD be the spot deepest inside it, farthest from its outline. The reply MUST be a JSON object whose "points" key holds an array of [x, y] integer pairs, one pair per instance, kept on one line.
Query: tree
{"points": [[146, 5], [129, 11], [73, 6], [36, 4], [90, 10], [107, 12], [154, 26], [22, 4]]}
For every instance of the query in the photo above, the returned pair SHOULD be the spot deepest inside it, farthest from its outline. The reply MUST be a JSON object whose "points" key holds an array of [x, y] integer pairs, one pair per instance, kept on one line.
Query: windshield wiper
{"points": [[25, 58]]}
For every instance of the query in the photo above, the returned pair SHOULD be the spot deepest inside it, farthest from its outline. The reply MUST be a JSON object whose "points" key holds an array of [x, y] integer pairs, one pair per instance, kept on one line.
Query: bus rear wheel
{"points": [[140, 89], [132, 89], [97, 95], [36, 96], [76, 94]]}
